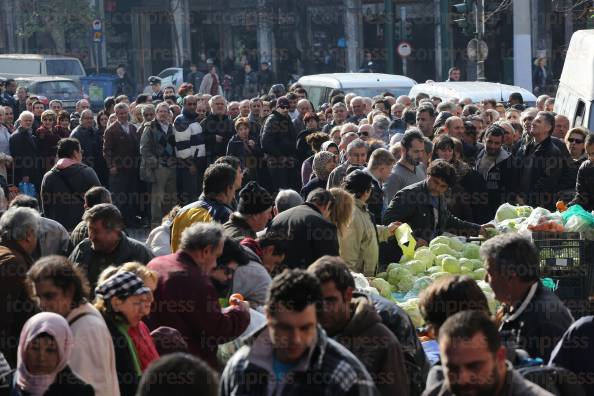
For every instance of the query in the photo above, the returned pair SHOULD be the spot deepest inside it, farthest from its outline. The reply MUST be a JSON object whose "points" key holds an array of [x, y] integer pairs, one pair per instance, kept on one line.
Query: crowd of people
{"points": [[259, 212]]}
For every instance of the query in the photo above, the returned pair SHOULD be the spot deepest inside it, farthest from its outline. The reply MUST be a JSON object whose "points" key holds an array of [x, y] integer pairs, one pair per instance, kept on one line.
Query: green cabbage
{"points": [[397, 275], [383, 275], [440, 239], [422, 283], [383, 287], [451, 265], [506, 212], [411, 307], [479, 274], [466, 270], [477, 263], [438, 275], [455, 244], [416, 266], [392, 266], [523, 211], [471, 251], [433, 270], [439, 259], [425, 256], [442, 248]]}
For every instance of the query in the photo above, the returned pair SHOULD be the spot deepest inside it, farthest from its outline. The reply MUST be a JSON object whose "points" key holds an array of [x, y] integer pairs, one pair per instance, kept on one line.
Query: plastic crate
{"points": [[561, 252]]}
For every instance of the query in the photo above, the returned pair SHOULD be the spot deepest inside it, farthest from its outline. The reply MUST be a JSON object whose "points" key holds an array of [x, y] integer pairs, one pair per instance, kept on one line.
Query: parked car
{"points": [[319, 86], [475, 90], [50, 88], [31, 65], [575, 95], [172, 76]]}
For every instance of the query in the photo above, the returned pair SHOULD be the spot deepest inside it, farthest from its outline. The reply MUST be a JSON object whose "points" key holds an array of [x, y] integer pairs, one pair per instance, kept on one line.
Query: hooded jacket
{"points": [[376, 347], [499, 179]]}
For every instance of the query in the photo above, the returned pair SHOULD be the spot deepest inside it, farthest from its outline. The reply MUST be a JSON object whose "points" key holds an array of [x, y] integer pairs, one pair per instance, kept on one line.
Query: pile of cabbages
{"points": [[444, 256]]}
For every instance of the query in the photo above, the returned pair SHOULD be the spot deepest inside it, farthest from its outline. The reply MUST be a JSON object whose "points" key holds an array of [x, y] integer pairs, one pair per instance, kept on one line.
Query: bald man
{"points": [[561, 126]]}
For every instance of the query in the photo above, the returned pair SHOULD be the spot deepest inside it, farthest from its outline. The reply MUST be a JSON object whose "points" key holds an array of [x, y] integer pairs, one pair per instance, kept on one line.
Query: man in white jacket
{"points": [[61, 288]]}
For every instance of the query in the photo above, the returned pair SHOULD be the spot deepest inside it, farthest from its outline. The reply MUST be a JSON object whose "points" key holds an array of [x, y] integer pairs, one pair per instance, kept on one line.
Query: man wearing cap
{"points": [[278, 144], [186, 299], [254, 210], [155, 83]]}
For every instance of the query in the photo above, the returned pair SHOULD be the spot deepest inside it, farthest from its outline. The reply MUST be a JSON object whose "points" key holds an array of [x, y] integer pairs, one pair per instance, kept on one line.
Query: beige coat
{"points": [[358, 245]]}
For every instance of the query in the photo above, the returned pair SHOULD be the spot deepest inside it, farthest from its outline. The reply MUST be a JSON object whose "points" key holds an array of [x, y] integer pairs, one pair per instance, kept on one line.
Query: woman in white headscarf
{"points": [[42, 367]]}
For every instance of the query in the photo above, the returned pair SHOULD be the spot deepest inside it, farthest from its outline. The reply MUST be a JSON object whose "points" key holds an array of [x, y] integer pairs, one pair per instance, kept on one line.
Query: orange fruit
{"points": [[234, 297], [561, 207]]}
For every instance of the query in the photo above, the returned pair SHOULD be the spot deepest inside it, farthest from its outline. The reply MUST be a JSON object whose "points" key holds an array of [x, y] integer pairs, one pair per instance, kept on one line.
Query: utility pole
{"points": [[480, 32], [389, 35]]}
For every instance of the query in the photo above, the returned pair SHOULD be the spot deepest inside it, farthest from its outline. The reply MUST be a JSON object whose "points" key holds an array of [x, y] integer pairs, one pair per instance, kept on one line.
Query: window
{"points": [[58, 89], [314, 94], [580, 111], [63, 67]]}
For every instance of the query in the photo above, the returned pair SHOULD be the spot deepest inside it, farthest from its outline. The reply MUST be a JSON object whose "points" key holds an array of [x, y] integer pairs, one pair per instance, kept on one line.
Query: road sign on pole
{"points": [[404, 49], [97, 31]]}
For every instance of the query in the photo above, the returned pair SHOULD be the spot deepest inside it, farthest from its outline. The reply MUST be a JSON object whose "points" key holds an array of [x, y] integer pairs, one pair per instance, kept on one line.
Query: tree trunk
{"points": [[59, 38]]}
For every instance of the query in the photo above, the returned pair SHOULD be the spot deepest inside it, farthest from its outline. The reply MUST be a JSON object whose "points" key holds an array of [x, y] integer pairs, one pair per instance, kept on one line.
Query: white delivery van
{"points": [[31, 65], [575, 94], [475, 90], [319, 86]]}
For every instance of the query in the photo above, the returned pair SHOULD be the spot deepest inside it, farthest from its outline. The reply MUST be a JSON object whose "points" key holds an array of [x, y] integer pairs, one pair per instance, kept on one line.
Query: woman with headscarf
{"points": [[318, 141], [44, 350], [324, 162], [123, 300]]}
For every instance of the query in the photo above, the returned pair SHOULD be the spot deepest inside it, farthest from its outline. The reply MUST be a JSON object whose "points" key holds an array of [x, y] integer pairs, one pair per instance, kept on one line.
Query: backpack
{"points": [[557, 380]]}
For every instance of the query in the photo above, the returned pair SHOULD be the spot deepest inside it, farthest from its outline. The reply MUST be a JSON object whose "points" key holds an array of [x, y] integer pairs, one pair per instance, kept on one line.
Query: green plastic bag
{"points": [[405, 240], [577, 219]]}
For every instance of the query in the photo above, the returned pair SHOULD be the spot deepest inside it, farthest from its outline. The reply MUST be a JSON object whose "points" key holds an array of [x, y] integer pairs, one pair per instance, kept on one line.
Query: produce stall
{"points": [[563, 238]]}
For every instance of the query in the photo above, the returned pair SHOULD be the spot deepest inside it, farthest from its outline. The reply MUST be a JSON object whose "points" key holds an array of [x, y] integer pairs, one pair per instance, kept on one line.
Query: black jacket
{"points": [[66, 384], [412, 205], [499, 183], [62, 193], [89, 143], [311, 185], [212, 126], [304, 150], [23, 148], [584, 188], [539, 326], [309, 235], [127, 377], [279, 136], [540, 169]]}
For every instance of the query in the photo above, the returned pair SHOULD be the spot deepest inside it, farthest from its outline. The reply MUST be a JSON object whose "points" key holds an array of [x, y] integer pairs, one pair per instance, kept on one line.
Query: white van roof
{"points": [[578, 69], [357, 80], [475, 90], [33, 56]]}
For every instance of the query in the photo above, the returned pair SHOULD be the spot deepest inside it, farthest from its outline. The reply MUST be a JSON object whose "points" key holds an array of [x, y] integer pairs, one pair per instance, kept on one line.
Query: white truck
{"points": [[575, 95]]}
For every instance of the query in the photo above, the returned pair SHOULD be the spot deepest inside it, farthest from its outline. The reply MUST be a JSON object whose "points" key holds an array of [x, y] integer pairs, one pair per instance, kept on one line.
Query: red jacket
{"points": [[186, 300]]}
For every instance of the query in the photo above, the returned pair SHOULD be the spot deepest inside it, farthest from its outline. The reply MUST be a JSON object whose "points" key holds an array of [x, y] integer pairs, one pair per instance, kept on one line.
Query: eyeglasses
{"points": [[363, 133], [576, 141], [283, 107]]}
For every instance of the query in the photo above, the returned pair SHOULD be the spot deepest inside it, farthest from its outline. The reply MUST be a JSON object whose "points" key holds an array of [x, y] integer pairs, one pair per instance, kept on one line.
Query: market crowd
{"points": [[259, 212]]}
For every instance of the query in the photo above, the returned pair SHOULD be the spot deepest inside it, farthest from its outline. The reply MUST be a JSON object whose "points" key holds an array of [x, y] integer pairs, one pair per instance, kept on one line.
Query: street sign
{"points": [[477, 50], [404, 49], [97, 31]]}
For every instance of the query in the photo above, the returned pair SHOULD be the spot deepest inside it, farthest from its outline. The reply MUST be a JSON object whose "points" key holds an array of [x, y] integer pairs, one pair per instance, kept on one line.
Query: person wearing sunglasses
{"points": [[574, 140], [585, 178]]}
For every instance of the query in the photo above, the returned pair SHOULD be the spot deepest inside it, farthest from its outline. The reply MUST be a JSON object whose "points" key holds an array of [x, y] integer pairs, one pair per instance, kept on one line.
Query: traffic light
{"points": [[463, 16]]}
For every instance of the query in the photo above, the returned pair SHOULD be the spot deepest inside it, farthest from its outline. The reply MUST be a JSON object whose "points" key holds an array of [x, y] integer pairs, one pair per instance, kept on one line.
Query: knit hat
{"points": [[168, 340], [282, 102], [121, 285], [254, 199], [320, 162]]}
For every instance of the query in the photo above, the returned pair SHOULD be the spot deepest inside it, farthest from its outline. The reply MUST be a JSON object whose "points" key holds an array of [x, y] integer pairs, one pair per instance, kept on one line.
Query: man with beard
{"points": [[408, 170], [474, 362], [496, 167]]}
